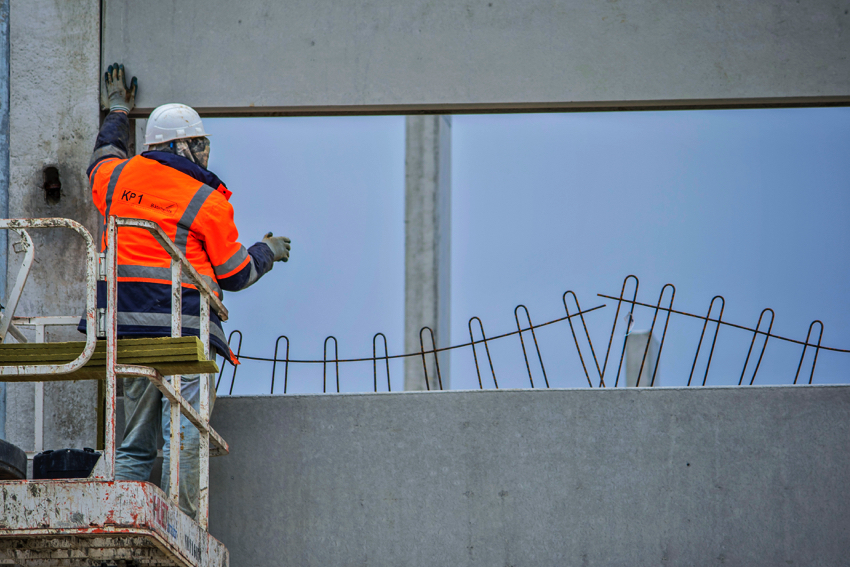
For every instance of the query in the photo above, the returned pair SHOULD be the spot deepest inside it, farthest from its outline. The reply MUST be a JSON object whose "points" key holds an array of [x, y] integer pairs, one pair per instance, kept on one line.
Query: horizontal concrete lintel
{"points": [[513, 107]]}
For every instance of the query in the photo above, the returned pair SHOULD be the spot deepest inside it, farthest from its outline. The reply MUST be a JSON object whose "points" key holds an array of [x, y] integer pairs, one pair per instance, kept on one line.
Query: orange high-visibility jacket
{"points": [[191, 205]]}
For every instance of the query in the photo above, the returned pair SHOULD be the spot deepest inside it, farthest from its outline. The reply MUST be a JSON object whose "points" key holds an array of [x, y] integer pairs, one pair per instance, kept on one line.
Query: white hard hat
{"points": [[171, 122]]}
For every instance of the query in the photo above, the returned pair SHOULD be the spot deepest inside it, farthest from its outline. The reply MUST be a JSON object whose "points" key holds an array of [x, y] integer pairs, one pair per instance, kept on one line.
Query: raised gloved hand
{"points": [[279, 245], [115, 94]]}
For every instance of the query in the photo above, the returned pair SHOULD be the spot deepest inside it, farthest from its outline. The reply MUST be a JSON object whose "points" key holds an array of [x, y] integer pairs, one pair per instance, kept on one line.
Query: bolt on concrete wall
{"points": [[55, 60], [745, 477]]}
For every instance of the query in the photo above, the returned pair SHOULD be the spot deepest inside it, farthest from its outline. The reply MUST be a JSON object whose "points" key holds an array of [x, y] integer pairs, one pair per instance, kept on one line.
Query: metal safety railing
{"points": [[601, 367], [103, 267], [39, 324], [7, 325]]}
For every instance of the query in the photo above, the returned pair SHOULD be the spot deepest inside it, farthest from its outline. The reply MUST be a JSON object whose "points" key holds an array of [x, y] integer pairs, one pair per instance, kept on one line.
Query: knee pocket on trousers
{"points": [[135, 388]]}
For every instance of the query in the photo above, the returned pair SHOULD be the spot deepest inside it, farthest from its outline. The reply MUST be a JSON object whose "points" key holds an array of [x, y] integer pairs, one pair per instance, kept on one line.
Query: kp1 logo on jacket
{"points": [[155, 203]]}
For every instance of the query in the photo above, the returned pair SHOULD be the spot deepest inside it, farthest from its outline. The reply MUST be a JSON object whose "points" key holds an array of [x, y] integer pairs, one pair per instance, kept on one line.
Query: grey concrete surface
{"points": [[427, 247], [55, 51], [4, 170], [640, 476], [4, 159], [319, 56]]}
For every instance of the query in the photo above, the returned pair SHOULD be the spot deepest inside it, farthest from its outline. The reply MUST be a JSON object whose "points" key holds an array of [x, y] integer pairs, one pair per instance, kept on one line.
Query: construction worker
{"points": [[170, 184]]}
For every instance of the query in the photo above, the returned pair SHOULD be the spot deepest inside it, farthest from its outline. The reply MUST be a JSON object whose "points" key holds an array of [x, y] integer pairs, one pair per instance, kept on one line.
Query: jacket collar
{"points": [[191, 169]]}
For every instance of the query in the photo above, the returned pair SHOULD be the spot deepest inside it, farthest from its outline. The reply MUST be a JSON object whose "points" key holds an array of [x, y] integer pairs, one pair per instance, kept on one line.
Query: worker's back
{"points": [[178, 196]]}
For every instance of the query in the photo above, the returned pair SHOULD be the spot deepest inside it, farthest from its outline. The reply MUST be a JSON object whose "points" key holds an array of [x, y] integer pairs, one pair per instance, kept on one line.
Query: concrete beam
{"points": [[745, 476], [427, 260], [441, 56]]}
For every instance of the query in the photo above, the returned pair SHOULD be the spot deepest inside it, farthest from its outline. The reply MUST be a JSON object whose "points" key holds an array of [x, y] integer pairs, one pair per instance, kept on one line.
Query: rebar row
{"points": [[236, 336], [662, 309]]}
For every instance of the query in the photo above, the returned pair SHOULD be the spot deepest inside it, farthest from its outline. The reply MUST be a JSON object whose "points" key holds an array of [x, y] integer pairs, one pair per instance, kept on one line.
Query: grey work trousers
{"points": [[147, 414]]}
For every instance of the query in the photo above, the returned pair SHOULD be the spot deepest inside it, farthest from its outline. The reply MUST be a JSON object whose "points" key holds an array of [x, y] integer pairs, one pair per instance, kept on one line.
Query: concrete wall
{"points": [[706, 476], [318, 56], [54, 121]]}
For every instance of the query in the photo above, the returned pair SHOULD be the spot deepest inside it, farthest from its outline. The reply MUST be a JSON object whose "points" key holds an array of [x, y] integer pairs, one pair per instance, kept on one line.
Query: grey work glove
{"points": [[115, 95], [279, 245]]}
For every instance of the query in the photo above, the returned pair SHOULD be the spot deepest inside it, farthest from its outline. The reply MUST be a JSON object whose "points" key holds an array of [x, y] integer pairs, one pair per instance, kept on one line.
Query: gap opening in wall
{"points": [[750, 204], [335, 186]]}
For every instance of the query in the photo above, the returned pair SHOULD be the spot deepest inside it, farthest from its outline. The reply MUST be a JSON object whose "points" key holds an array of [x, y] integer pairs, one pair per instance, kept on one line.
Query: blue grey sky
{"points": [[750, 204]]}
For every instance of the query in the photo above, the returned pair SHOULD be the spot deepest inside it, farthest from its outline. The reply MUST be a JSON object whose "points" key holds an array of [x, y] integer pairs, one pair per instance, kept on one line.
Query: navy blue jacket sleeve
{"points": [[261, 261], [113, 140]]}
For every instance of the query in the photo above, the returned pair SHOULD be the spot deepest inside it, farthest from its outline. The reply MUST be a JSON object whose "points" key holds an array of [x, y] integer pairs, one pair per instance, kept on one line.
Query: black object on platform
{"points": [[13, 462], [64, 463]]}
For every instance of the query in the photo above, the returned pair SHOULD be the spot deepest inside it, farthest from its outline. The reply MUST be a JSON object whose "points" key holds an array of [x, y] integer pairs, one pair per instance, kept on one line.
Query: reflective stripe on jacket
{"points": [[166, 188]]}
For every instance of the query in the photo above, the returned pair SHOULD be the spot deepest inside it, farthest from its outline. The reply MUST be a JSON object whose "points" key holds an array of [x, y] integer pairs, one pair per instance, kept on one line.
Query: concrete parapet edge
{"points": [[754, 475]]}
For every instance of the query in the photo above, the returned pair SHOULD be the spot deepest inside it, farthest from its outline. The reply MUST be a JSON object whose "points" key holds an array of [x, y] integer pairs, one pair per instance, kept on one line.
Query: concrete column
{"points": [[4, 171], [635, 349], [427, 263], [55, 115]]}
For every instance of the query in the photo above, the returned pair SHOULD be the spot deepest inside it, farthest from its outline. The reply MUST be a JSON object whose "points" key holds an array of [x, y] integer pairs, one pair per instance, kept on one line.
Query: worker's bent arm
{"points": [[113, 140]]}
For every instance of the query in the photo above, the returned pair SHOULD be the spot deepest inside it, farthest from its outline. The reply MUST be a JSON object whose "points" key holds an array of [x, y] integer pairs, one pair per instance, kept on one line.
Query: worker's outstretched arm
{"points": [[113, 140], [235, 266], [260, 262]]}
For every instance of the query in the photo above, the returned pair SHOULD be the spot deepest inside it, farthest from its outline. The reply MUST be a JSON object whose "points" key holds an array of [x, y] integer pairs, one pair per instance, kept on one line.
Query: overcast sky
{"points": [[750, 204]]}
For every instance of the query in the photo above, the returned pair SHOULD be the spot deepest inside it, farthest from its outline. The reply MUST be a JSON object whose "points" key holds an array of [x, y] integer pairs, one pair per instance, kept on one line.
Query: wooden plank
{"points": [[148, 349], [185, 350], [135, 353], [126, 359], [189, 340], [70, 351], [183, 355], [99, 372]]}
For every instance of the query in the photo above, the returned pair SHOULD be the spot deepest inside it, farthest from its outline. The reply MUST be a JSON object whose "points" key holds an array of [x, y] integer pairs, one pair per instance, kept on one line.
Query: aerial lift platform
{"points": [[99, 521]]}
